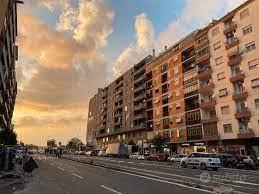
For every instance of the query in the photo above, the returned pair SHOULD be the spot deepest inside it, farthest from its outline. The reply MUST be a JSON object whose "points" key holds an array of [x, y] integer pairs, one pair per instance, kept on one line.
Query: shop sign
{"points": [[199, 144], [185, 144]]}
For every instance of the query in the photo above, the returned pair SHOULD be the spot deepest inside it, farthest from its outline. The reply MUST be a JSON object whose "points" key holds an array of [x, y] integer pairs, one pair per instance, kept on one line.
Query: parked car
{"points": [[141, 157], [247, 160], [230, 161], [102, 153], [133, 155], [157, 157], [201, 160], [177, 158]]}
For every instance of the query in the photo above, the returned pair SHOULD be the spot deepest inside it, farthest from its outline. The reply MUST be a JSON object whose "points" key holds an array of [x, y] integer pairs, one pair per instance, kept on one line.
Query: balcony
{"points": [[141, 78], [208, 104], [230, 27], [139, 107], [204, 74], [202, 45], [245, 133], [235, 60], [202, 58], [206, 89], [209, 120], [211, 137], [231, 43], [243, 113], [139, 116], [239, 95], [139, 88], [139, 97], [140, 71], [237, 76]]}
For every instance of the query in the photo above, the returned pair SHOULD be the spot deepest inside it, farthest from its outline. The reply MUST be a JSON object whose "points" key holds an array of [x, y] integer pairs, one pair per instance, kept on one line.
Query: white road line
{"points": [[78, 176], [245, 183], [121, 161], [61, 168], [131, 162], [164, 181], [112, 190], [45, 158], [39, 158]]}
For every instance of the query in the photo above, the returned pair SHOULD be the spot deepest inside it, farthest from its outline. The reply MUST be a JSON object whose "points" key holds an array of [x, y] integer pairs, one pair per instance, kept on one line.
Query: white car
{"points": [[201, 160], [137, 156], [177, 158]]}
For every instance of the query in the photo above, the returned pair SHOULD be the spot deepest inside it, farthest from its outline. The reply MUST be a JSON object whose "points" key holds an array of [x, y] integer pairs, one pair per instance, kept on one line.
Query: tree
{"points": [[74, 143], [159, 143], [8, 137]]}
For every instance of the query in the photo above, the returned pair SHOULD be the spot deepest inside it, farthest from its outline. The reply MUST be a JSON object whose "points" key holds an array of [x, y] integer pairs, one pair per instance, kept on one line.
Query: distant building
{"points": [[51, 143], [8, 56]]}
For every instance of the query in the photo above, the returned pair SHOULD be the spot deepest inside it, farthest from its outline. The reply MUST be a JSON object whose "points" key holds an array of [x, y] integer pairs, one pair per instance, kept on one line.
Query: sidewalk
{"points": [[11, 178]]}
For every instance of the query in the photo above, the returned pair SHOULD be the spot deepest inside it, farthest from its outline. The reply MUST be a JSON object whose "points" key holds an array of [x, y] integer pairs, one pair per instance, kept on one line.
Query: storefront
{"points": [[187, 148]]}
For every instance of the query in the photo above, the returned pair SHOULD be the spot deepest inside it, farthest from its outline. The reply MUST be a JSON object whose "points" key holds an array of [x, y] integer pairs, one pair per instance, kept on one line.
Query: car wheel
{"points": [[230, 165], [203, 166], [184, 165]]}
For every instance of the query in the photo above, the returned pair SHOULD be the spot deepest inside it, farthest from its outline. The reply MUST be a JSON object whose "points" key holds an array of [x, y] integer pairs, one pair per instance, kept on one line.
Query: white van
{"points": [[201, 160]]}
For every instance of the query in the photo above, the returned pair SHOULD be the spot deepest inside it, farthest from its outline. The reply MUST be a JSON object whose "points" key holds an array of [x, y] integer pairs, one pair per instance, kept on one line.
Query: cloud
{"points": [[196, 14], [94, 21], [58, 73], [135, 51]]}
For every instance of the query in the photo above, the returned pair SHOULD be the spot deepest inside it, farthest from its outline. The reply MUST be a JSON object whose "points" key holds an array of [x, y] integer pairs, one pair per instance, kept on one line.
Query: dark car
{"points": [[157, 157], [248, 161], [231, 161]]}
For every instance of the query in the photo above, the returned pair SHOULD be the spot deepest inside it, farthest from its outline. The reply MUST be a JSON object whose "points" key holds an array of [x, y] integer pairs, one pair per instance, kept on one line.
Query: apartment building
{"points": [[233, 42], [8, 56], [202, 93], [95, 119], [119, 109]]}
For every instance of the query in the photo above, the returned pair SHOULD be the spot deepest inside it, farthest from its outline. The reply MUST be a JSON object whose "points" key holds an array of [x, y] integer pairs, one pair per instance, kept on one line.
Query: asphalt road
{"points": [[62, 176], [236, 179]]}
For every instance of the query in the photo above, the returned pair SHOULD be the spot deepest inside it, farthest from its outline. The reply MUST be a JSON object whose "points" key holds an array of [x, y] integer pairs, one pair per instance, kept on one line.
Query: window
{"points": [[247, 30], [251, 46], [244, 14], [176, 69], [252, 64], [217, 45], [215, 31], [221, 76], [223, 92], [225, 110], [219, 60], [255, 83], [257, 103], [126, 108], [157, 111], [177, 93], [227, 128], [157, 90], [178, 119]]}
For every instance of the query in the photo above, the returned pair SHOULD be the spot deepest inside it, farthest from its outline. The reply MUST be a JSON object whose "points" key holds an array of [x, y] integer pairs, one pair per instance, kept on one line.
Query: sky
{"points": [[69, 48]]}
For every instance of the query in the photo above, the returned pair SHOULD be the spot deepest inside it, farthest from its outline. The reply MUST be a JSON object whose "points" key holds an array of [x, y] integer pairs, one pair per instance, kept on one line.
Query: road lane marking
{"points": [[131, 162], [112, 190], [78, 176], [245, 183], [61, 168], [39, 158], [164, 181]]}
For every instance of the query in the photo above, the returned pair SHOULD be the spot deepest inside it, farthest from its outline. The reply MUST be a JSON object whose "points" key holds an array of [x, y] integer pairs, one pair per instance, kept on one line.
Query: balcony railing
{"points": [[239, 93], [243, 113], [206, 88], [237, 75], [231, 42], [140, 70], [140, 97], [245, 133], [207, 120], [208, 104], [204, 73], [230, 27], [235, 59], [139, 107]]}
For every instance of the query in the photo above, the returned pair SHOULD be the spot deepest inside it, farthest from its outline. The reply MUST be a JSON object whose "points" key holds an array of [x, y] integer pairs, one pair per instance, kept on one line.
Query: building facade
{"points": [[117, 112], [201, 94], [8, 56]]}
